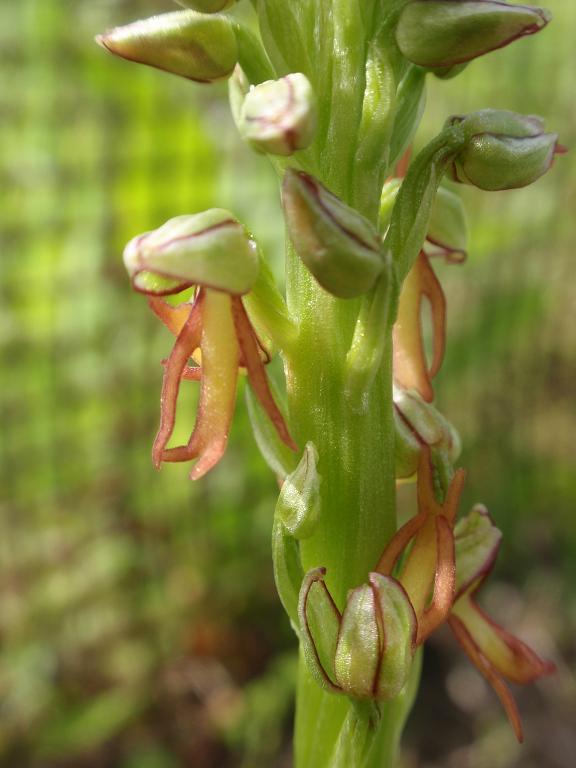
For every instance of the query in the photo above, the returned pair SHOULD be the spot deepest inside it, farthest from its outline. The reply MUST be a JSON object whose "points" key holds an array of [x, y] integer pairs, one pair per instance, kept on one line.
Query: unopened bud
{"points": [[279, 116], [207, 6], [376, 640], [210, 248], [367, 651], [298, 506], [185, 43], [503, 150], [442, 33], [340, 247]]}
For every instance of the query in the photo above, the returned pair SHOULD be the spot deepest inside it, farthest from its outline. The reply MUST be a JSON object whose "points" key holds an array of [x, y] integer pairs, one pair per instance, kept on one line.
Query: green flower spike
{"points": [[212, 252], [340, 247], [192, 45], [444, 33], [279, 116]]}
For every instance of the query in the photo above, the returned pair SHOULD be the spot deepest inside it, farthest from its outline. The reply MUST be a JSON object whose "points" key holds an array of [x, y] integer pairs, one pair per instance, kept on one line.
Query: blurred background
{"points": [[139, 626]]}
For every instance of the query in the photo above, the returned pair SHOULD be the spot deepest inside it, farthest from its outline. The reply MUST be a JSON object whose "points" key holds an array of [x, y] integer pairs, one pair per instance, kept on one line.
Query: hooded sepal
{"points": [[193, 45], [444, 33], [339, 246], [210, 248], [503, 150]]}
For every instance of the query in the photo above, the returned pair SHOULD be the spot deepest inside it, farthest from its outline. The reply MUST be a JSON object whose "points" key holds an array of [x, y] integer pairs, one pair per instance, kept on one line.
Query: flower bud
{"points": [[210, 248], [340, 247], [279, 116], [298, 506], [376, 640], [442, 33], [503, 150], [367, 651], [185, 43], [207, 6]]}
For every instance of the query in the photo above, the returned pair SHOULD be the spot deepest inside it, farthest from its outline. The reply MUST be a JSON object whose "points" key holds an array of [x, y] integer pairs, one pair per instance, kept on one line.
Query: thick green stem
{"points": [[353, 433], [356, 461]]}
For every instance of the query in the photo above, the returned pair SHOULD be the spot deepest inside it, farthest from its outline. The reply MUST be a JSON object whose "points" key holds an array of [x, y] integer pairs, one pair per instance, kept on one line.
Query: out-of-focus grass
{"points": [[138, 620]]}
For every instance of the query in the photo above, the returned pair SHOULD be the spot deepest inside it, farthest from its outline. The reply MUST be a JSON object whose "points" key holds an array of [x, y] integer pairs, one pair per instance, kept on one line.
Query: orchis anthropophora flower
{"points": [[212, 252]]}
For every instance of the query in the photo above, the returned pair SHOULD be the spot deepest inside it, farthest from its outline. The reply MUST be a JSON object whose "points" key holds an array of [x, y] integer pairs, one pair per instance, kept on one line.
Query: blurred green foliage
{"points": [[138, 620]]}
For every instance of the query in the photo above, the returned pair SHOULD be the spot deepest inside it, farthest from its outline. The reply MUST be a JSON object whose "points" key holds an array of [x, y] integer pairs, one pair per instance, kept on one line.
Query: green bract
{"points": [[210, 249], [185, 43], [338, 245], [298, 506], [442, 33], [279, 116]]}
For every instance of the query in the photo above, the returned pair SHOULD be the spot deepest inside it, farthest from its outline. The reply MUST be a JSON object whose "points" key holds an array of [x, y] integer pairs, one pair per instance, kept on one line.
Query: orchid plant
{"points": [[332, 93]]}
